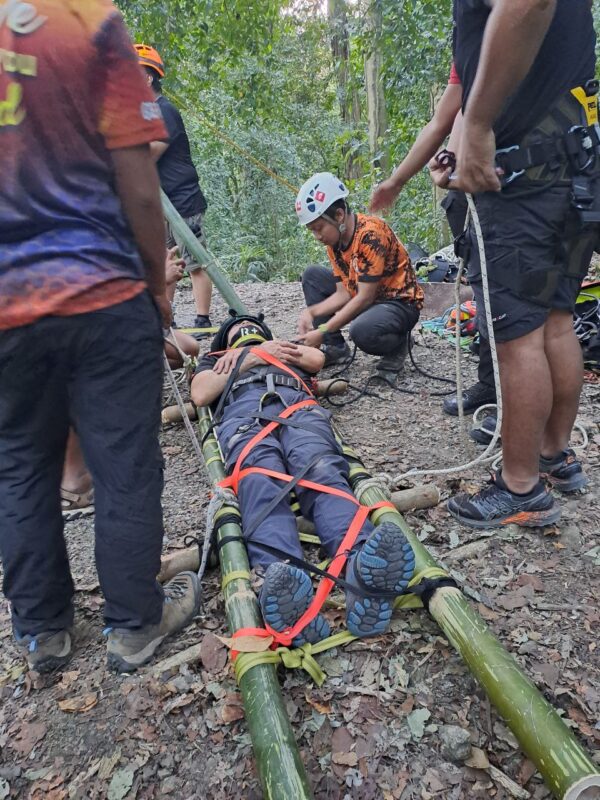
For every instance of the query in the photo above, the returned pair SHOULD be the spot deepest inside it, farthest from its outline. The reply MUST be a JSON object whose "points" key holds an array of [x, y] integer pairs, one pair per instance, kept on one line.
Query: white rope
{"points": [[181, 405], [487, 454], [197, 450], [172, 339], [458, 348]]}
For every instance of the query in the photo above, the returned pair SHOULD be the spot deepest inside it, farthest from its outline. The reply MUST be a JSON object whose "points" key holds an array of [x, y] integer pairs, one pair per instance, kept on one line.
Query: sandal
{"points": [[76, 505]]}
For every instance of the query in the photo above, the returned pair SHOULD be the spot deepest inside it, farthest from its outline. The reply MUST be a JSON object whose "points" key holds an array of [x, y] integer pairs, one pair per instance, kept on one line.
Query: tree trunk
{"points": [[348, 100], [375, 96]]}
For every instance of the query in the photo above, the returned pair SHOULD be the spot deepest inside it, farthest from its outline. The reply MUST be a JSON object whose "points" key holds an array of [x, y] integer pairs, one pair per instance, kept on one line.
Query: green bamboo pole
{"points": [[278, 761], [184, 236], [543, 736]]}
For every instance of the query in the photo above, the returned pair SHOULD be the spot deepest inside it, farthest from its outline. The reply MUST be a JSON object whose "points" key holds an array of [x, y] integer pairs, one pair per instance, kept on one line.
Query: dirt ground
{"points": [[376, 729]]}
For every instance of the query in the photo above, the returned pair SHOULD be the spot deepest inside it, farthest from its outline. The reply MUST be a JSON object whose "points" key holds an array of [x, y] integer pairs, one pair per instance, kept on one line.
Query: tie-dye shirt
{"points": [[376, 255], [70, 92]]}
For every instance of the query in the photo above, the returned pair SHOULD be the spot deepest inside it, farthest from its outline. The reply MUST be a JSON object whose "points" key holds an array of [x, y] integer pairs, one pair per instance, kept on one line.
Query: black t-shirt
{"points": [[178, 176], [566, 59]]}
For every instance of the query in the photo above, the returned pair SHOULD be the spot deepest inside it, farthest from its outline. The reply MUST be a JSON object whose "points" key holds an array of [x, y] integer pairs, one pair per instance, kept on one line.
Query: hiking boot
{"points": [[202, 321], [385, 563], [473, 398], [285, 595], [335, 354], [128, 649], [496, 505], [564, 472], [45, 651], [485, 432]]}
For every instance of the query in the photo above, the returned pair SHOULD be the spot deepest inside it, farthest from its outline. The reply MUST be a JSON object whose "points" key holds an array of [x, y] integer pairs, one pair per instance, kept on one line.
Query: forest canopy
{"points": [[302, 86]]}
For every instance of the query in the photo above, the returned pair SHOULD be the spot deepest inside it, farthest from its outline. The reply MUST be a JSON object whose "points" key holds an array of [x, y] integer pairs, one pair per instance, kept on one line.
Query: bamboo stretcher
{"points": [[565, 766]]}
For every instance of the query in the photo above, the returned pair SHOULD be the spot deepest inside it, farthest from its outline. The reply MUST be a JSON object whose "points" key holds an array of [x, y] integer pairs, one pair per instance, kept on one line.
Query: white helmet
{"points": [[317, 195]]}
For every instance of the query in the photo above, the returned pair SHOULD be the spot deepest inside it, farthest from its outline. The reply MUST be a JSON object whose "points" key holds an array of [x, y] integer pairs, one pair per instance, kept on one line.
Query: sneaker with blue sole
{"points": [[285, 595], [385, 563]]}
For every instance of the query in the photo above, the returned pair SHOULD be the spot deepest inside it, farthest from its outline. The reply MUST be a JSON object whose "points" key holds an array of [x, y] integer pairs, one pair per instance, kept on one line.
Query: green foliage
{"points": [[261, 73]]}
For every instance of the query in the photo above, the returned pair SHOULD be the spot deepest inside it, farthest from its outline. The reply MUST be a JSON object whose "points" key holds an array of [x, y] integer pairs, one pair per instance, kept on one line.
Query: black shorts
{"points": [[537, 254]]}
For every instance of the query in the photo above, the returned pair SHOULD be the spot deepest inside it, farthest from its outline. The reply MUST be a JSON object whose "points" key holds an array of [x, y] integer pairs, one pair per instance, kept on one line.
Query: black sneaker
{"points": [[473, 398], [495, 506], [394, 362], [285, 595], [201, 322], [485, 432], [564, 472], [335, 354]]}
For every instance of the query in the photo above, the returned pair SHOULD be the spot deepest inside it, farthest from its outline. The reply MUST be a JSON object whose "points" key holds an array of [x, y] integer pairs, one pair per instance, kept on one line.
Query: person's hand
{"points": [[476, 169], [312, 339], [164, 307], [385, 195], [305, 321], [174, 266], [440, 174], [227, 361], [288, 352]]}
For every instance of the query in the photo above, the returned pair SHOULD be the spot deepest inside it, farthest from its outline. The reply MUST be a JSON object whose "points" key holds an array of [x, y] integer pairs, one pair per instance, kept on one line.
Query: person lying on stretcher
{"points": [[248, 380]]}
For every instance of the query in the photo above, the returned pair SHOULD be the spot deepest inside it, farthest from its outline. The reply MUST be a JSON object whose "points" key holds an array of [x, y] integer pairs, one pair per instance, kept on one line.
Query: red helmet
{"points": [[149, 57]]}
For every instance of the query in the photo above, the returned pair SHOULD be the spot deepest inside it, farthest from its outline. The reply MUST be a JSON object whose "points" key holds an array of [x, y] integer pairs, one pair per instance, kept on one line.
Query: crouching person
{"points": [[373, 285], [249, 380]]}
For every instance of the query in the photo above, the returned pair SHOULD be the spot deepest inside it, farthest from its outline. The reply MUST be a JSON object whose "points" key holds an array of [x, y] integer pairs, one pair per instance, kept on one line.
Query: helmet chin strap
{"points": [[341, 226]]}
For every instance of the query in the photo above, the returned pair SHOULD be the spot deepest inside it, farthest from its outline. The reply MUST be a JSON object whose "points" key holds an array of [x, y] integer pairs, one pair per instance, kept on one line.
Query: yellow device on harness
{"points": [[588, 100]]}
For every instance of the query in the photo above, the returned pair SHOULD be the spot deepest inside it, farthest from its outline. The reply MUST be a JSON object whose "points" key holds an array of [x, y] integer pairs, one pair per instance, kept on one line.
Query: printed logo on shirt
{"points": [[22, 19], [150, 111]]}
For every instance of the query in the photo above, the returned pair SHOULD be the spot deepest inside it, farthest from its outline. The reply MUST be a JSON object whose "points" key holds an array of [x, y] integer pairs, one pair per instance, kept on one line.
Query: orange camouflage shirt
{"points": [[376, 255]]}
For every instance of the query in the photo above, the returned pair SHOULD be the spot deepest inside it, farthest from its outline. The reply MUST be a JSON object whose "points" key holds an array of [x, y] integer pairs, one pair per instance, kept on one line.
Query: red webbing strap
{"points": [[281, 476], [233, 480]]}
